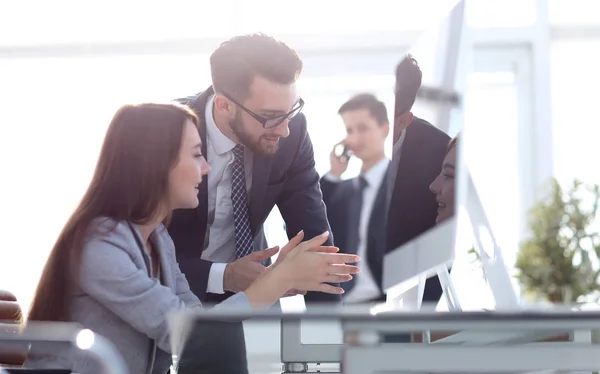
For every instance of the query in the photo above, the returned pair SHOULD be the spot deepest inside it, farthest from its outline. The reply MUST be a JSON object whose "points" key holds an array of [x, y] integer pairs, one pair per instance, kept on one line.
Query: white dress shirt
{"points": [[219, 244], [366, 288]]}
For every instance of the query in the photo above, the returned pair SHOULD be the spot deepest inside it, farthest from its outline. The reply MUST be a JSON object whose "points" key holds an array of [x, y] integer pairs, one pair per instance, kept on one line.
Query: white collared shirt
{"points": [[219, 243], [365, 288]]}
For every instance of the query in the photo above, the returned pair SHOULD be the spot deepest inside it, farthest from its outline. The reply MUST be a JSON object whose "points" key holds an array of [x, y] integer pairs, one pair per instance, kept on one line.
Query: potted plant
{"points": [[559, 262]]}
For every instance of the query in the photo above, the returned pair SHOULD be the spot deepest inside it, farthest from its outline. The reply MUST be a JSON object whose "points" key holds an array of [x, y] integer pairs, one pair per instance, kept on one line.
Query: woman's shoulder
{"points": [[106, 240], [111, 230], [101, 226]]}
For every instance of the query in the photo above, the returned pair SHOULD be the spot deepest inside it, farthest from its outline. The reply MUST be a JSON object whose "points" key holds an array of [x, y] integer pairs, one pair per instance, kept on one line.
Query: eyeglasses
{"points": [[270, 122]]}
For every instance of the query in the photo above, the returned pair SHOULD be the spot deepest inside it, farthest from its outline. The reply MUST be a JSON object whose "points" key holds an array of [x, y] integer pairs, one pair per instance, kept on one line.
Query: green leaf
{"points": [[559, 262]]}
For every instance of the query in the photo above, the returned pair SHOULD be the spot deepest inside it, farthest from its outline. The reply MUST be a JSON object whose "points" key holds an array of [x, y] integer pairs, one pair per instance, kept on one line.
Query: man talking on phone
{"points": [[356, 207]]}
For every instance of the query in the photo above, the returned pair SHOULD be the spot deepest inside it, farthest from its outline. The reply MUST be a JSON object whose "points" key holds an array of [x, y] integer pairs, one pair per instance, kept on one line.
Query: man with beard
{"points": [[255, 139]]}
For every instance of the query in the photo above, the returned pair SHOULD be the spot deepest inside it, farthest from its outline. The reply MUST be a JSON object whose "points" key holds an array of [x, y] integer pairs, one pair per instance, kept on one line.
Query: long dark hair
{"points": [[130, 183]]}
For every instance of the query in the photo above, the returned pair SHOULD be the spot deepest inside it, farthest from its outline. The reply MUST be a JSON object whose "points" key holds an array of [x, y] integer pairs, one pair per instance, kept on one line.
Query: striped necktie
{"points": [[239, 200]]}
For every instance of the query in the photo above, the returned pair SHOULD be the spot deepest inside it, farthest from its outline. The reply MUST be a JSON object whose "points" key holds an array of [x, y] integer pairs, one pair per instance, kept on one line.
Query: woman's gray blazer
{"points": [[115, 296]]}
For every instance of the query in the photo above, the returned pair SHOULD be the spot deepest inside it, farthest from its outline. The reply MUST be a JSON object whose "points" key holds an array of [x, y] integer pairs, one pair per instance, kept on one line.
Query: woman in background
{"points": [[443, 185], [113, 268]]}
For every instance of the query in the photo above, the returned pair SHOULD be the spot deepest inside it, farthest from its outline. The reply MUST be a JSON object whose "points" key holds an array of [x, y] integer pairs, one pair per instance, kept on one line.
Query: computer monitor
{"points": [[443, 59], [439, 58]]}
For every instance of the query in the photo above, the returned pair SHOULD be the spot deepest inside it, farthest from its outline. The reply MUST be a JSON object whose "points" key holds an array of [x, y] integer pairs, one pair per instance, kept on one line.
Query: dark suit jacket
{"points": [[413, 208], [287, 179], [336, 196]]}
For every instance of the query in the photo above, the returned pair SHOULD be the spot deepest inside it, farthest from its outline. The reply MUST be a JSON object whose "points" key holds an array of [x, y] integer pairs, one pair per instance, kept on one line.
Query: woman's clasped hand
{"points": [[309, 266]]}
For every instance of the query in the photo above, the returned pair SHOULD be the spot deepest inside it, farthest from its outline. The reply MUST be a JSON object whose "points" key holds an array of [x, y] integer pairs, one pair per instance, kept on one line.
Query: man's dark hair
{"points": [[366, 101], [236, 62], [408, 82]]}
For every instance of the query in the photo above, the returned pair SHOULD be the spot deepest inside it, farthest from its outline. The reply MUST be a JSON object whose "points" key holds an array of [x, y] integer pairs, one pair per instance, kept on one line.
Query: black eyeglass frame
{"points": [[263, 120]]}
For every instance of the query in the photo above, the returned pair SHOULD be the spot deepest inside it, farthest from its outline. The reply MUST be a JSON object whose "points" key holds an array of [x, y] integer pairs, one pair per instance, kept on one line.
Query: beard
{"points": [[256, 146]]}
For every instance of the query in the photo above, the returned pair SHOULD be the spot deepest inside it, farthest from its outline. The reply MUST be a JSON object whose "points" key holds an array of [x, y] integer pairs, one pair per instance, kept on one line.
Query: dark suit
{"points": [[287, 179], [336, 196], [413, 208]]}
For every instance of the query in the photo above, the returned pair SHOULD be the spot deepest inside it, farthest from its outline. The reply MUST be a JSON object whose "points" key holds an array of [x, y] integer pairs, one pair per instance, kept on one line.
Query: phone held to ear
{"points": [[342, 152]]}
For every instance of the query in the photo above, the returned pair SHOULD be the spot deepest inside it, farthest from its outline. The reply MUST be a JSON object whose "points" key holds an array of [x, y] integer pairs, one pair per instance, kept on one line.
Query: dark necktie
{"points": [[355, 207], [239, 200]]}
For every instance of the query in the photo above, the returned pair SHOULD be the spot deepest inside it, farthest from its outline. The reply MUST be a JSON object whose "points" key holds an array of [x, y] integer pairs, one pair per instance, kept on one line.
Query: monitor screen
{"points": [[424, 168]]}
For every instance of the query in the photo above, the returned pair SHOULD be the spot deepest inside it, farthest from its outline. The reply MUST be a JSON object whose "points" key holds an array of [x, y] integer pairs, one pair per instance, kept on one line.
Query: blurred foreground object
{"points": [[559, 263], [49, 337], [10, 323]]}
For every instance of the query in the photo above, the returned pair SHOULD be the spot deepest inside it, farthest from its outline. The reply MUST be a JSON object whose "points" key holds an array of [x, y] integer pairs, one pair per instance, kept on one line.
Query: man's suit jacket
{"points": [[413, 207], [336, 196], [287, 179]]}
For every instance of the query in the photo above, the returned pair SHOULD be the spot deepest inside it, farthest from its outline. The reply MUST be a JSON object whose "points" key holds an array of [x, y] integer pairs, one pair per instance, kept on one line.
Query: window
{"points": [[493, 160], [574, 74], [338, 17], [574, 12], [71, 21], [325, 68], [497, 114], [507, 13]]}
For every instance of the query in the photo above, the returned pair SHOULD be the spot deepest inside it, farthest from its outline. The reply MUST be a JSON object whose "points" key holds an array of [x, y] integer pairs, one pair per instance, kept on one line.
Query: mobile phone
{"points": [[342, 151]]}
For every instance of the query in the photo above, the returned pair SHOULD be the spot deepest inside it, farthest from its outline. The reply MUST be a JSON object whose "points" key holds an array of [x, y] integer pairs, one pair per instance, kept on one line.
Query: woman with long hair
{"points": [[113, 268]]}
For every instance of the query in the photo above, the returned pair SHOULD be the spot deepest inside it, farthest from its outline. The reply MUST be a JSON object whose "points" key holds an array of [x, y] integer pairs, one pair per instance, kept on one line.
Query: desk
{"points": [[499, 341], [488, 342], [47, 336]]}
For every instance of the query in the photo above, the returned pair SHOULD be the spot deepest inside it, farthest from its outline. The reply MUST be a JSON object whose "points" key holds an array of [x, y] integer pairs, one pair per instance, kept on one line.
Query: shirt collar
{"points": [[221, 143], [398, 144], [375, 174]]}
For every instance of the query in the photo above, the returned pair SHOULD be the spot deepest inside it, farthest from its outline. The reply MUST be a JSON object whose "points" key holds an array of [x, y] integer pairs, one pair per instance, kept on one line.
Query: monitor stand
{"points": [[494, 269]]}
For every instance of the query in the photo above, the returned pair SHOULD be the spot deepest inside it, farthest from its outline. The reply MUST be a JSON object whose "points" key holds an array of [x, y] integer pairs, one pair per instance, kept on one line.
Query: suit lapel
{"points": [[261, 169], [405, 171]]}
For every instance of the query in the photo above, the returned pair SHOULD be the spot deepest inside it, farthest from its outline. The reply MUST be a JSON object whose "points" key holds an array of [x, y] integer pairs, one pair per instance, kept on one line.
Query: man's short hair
{"points": [[236, 62], [366, 101], [408, 82]]}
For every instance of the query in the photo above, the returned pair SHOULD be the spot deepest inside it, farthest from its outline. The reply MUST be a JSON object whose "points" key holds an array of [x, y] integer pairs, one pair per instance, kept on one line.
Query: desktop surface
{"points": [[364, 313]]}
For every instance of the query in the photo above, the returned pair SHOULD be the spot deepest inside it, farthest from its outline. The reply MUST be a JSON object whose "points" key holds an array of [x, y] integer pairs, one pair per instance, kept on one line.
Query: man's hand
{"points": [[242, 272], [339, 164]]}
